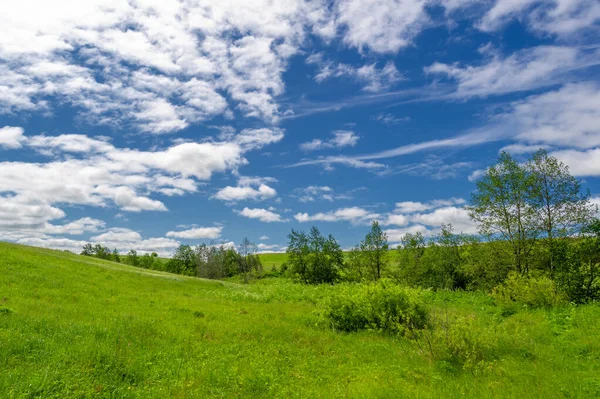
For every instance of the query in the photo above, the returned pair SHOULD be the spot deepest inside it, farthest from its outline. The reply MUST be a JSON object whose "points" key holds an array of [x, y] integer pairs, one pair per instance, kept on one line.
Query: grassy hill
{"points": [[73, 326]]}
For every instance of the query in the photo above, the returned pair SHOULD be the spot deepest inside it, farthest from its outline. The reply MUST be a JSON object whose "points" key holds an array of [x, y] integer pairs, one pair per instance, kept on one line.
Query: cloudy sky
{"points": [[149, 123]]}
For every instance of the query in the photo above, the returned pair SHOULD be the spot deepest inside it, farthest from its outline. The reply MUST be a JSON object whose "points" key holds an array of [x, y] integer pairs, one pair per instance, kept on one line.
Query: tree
{"points": [[88, 250], [102, 252], [409, 252], [183, 261], [375, 249], [313, 258], [247, 260], [503, 207], [132, 258], [356, 269], [559, 204], [115, 256], [146, 261], [297, 252]]}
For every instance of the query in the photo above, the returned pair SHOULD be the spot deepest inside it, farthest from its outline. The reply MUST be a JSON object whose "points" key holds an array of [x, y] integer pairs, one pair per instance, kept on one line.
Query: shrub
{"points": [[383, 306], [533, 292], [460, 342]]}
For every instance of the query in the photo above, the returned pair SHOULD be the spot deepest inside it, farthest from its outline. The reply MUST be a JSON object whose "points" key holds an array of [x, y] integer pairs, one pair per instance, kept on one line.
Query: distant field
{"points": [[273, 259], [79, 327]]}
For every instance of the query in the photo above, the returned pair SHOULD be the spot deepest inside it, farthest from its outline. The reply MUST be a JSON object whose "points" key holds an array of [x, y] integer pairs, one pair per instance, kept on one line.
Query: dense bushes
{"points": [[382, 306], [534, 292]]}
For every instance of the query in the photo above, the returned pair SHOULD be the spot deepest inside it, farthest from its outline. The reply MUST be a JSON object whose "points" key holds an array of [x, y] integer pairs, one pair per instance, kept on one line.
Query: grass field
{"points": [[269, 260], [73, 326]]}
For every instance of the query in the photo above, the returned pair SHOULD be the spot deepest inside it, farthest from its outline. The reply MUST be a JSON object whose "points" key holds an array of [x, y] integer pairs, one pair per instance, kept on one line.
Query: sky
{"points": [[146, 124]]}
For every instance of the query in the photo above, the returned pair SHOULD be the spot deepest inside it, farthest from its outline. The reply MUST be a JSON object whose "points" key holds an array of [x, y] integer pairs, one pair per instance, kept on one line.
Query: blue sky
{"points": [[147, 124]]}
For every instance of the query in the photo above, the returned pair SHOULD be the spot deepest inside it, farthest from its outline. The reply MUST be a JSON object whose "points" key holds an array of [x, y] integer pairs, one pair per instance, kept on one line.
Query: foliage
{"points": [[502, 206], [560, 206], [437, 264], [578, 265], [459, 341], [534, 292], [314, 259], [382, 306]]}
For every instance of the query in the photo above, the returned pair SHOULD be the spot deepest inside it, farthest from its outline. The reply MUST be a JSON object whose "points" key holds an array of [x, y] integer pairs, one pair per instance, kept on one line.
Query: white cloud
{"points": [[245, 190], [558, 17], [354, 215], [340, 139], [11, 137], [413, 206], [197, 233], [524, 70], [581, 163], [395, 235], [568, 117], [158, 66], [372, 78], [383, 26], [264, 238], [389, 119], [124, 239], [263, 215], [270, 248]]}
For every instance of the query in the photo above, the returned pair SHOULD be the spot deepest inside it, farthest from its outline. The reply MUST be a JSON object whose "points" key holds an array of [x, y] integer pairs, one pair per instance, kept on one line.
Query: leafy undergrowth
{"points": [[81, 327]]}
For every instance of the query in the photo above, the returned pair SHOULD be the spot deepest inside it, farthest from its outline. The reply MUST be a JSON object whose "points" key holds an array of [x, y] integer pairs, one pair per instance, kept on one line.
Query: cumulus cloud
{"points": [[11, 137], [124, 239], [197, 233], [354, 215], [414, 206], [248, 188], [264, 215], [270, 248]]}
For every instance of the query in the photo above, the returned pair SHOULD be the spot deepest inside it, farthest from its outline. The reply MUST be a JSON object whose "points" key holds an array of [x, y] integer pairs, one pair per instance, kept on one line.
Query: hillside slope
{"points": [[73, 326]]}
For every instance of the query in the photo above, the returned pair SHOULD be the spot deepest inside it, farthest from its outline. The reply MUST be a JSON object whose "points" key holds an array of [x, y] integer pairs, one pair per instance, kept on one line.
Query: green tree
{"points": [[115, 255], [247, 260], [102, 252], [297, 254], [132, 258], [88, 250], [502, 206], [409, 253], [560, 206], [375, 250]]}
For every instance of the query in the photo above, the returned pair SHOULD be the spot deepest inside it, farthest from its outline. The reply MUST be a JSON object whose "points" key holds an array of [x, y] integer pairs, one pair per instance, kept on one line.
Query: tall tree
{"points": [[375, 250], [297, 252], [557, 198], [247, 260], [502, 206]]}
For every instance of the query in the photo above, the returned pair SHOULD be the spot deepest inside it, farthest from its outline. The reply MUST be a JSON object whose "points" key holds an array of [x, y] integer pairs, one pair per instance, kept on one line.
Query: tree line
{"points": [[533, 220], [204, 260]]}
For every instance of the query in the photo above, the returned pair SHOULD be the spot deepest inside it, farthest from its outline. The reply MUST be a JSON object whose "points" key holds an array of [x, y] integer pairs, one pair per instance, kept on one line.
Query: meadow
{"points": [[80, 327]]}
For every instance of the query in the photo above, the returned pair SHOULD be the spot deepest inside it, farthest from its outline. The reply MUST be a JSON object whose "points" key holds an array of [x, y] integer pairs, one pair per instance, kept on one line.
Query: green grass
{"points": [[272, 259], [73, 326]]}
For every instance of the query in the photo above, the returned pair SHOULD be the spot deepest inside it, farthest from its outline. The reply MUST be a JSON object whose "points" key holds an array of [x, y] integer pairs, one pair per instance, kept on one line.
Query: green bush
{"points": [[533, 292], [460, 342], [383, 306]]}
